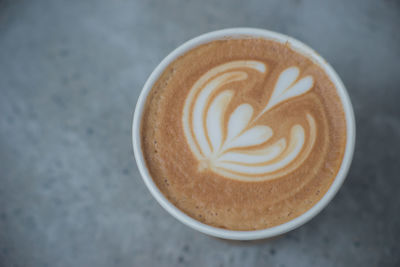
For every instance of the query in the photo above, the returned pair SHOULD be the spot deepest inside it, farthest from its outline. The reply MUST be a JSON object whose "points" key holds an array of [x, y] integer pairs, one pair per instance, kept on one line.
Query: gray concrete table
{"points": [[70, 75]]}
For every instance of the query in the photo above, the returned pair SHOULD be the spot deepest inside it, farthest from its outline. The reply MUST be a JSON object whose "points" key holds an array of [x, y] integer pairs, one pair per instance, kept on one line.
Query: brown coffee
{"points": [[243, 134]]}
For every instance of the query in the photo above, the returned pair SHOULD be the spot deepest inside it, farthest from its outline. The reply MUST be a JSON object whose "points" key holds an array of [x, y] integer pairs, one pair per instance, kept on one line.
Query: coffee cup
{"points": [[236, 33]]}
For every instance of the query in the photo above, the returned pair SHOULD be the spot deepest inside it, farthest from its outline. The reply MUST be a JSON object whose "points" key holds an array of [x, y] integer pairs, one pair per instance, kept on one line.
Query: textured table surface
{"points": [[70, 75]]}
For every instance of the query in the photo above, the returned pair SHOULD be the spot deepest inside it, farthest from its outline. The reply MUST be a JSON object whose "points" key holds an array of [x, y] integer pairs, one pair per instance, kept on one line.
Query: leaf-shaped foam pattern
{"points": [[254, 157], [233, 144], [288, 87], [252, 137], [201, 103], [239, 120], [297, 139], [285, 80], [199, 96], [215, 118]]}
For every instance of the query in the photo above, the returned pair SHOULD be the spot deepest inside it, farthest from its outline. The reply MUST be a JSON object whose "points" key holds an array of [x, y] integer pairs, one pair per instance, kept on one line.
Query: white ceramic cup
{"points": [[236, 33]]}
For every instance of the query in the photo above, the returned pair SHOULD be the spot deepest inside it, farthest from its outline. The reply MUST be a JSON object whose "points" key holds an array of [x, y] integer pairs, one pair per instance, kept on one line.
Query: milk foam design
{"points": [[235, 145]]}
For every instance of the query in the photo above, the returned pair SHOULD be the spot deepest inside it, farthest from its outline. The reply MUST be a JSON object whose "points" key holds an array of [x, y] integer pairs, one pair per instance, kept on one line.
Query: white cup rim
{"points": [[253, 234]]}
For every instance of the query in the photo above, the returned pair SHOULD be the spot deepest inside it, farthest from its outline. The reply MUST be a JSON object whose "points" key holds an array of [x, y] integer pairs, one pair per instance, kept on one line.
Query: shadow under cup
{"points": [[240, 33]]}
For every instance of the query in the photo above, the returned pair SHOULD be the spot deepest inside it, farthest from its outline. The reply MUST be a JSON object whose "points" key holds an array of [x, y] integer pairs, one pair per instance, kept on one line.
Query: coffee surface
{"points": [[243, 134]]}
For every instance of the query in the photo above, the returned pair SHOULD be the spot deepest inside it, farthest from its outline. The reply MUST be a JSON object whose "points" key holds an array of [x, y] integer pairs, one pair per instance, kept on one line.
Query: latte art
{"points": [[243, 134], [234, 144]]}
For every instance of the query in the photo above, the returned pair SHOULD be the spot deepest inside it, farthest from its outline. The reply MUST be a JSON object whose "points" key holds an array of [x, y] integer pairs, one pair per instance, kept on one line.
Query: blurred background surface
{"points": [[70, 75]]}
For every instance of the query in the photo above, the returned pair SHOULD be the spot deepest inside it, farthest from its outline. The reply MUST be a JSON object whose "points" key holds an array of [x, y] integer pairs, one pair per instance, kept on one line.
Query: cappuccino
{"points": [[243, 134]]}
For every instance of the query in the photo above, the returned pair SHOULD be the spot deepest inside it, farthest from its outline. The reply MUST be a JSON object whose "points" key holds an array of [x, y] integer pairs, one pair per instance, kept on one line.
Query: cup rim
{"points": [[236, 33]]}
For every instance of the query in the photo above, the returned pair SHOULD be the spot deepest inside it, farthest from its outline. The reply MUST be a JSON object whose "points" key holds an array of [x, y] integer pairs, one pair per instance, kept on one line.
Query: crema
{"points": [[243, 134]]}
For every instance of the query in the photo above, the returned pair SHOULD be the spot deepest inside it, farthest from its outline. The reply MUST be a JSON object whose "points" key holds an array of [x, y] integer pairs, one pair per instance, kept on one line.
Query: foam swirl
{"points": [[233, 144]]}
